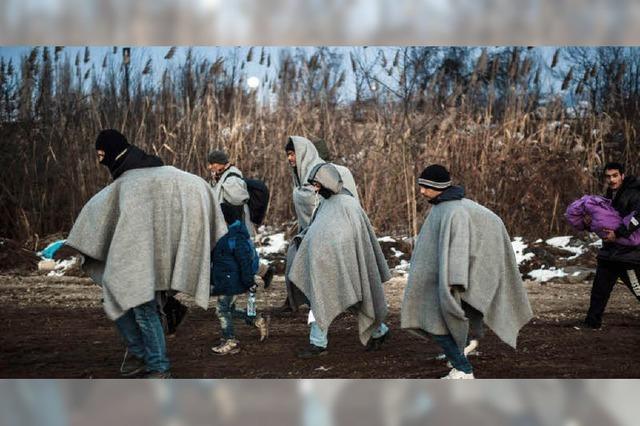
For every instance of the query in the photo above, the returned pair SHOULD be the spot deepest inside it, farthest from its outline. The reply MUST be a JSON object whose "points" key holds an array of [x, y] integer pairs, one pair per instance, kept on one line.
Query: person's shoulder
{"points": [[234, 172], [632, 182]]}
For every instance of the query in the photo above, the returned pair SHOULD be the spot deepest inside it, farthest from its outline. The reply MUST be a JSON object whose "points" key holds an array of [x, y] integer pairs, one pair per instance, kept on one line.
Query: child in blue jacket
{"points": [[234, 263]]}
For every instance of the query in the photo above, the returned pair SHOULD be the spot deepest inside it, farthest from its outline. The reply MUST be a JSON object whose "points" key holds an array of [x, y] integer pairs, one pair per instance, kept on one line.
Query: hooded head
{"points": [[306, 156], [328, 177], [113, 144]]}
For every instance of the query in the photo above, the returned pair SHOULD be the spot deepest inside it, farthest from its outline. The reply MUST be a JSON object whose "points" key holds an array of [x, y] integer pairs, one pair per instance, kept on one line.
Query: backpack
{"points": [[258, 198]]}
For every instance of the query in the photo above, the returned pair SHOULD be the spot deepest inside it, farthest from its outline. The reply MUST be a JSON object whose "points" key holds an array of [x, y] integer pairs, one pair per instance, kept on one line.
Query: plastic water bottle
{"points": [[251, 304]]}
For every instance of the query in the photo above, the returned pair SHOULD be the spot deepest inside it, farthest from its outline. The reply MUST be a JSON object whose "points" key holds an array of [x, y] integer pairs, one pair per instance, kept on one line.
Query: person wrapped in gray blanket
{"points": [[339, 264], [148, 233], [303, 156], [463, 272]]}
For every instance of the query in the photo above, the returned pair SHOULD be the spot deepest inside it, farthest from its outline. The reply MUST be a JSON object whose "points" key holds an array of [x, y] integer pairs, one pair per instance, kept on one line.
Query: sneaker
{"points": [[262, 323], [375, 344], [312, 351], [456, 374], [131, 365], [157, 375], [268, 276], [227, 347]]}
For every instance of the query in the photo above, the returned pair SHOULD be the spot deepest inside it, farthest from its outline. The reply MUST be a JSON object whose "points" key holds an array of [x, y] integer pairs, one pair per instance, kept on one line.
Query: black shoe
{"points": [[285, 309], [268, 276], [131, 365], [175, 312], [375, 344], [312, 351], [591, 324]]}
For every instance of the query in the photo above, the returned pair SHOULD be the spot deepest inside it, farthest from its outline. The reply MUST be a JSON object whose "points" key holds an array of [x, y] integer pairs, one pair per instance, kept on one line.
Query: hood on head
{"points": [[306, 156], [238, 227], [326, 175]]}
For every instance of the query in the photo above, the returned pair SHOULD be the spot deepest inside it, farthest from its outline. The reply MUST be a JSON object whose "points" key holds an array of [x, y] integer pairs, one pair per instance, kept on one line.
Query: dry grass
{"points": [[509, 154]]}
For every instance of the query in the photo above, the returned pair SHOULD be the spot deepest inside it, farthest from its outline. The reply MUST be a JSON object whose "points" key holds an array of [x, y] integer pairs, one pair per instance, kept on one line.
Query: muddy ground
{"points": [[56, 328]]}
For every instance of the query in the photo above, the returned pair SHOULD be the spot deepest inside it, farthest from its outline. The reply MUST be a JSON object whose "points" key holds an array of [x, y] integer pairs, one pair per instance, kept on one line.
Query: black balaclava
{"points": [[114, 144], [120, 156]]}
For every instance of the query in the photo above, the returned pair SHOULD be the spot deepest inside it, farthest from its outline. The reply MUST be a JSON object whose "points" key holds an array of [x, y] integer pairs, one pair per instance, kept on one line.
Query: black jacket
{"points": [[134, 158], [626, 201]]}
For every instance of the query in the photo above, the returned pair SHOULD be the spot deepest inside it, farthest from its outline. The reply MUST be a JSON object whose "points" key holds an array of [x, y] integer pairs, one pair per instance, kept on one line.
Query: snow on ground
{"points": [[544, 275], [386, 240], [518, 247], [277, 245], [563, 243], [396, 252], [62, 266], [402, 268]]}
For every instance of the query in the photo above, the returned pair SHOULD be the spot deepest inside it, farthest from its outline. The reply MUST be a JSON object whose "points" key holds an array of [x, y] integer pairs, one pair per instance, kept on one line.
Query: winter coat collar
{"points": [[449, 194]]}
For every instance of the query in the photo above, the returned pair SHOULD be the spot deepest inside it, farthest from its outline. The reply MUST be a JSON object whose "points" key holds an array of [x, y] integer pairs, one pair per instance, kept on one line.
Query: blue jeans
{"points": [[142, 331], [226, 312], [318, 337], [454, 355]]}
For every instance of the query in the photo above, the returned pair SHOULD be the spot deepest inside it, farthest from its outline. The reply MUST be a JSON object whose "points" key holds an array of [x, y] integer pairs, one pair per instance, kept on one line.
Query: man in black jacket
{"points": [[614, 260]]}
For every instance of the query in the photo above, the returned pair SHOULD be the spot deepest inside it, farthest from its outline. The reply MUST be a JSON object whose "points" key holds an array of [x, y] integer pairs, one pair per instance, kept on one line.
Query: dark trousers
{"points": [[607, 273]]}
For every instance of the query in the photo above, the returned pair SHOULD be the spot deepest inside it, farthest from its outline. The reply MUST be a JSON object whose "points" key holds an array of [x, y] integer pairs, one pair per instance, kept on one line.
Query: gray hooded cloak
{"points": [[150, 230], [464, 244], [233, 190], [339, 263], [304, 196], [305, 200]]}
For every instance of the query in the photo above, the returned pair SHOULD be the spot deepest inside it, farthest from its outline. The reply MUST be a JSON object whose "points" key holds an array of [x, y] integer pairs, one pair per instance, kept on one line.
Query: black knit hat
{"points": [[219, 157], [435, 177], [289, 146], [113, 143]]}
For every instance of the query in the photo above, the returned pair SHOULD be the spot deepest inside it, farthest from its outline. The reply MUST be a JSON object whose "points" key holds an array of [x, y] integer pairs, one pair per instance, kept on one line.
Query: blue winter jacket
{"points": [[234, 262]]}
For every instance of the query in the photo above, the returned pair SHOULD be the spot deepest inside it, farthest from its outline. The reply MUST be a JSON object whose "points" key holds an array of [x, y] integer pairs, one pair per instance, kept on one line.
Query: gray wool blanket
{"points": [[304, 197], [339, 265], [466, 245], [305, 201], [233, 190], [150, 230]]}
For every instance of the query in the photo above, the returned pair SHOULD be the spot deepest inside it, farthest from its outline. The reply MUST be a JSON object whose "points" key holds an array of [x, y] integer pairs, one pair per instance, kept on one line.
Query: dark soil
{"points": [[56, 328]]}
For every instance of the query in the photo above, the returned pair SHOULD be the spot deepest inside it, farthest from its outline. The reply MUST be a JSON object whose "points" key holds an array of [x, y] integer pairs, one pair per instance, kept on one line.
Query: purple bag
{"points": [[603, 216]]}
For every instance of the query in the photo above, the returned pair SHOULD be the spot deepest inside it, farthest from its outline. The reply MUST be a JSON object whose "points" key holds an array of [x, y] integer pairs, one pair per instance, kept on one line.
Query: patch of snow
{"points": [[544, 275], [560, 242], [403, 267], [62, 266], [396, 253], [386, 239], [518, 248], [563, 243], [277, 245]]}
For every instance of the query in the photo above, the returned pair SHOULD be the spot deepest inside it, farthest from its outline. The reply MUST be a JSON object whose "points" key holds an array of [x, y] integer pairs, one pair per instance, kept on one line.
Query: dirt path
{"points": [[56, 328]]}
